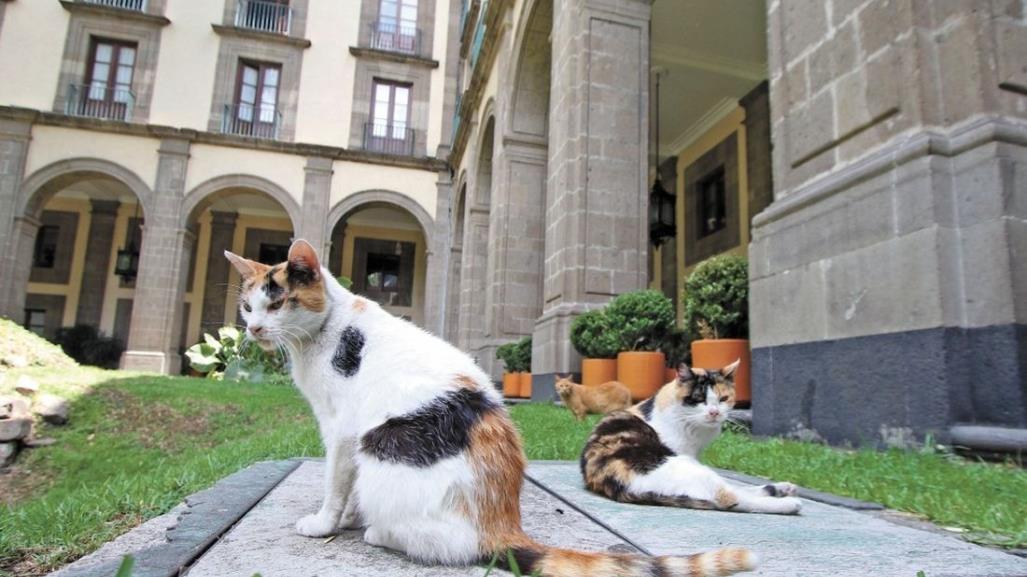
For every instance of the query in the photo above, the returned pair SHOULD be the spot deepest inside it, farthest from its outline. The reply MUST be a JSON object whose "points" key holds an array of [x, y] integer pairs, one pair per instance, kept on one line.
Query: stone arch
{"points": [[355, 201], [194, 199], [530, 70], [484, 169], [43, 184]]}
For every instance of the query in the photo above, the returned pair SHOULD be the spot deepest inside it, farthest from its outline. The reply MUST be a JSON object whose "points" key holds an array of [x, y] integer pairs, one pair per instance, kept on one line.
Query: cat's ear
{"points": [[303, 267], [246, 267], [729, 371], [685, 373]]}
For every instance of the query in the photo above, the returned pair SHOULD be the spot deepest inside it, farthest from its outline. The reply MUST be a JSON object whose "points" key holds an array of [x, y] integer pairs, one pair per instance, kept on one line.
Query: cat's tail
{"points": [[536, 559]]}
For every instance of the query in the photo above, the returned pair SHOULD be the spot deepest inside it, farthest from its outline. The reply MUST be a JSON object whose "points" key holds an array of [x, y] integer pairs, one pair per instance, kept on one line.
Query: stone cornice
{"points": [[218, 139], [108, 11], [479, 77], [393, 57], [236, 32]]}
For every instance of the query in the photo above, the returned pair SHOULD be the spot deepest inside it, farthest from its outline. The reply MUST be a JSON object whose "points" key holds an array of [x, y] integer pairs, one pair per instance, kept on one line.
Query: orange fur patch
{"points": [[359, 305], [498, 462], [465, 382], [725, 498]]}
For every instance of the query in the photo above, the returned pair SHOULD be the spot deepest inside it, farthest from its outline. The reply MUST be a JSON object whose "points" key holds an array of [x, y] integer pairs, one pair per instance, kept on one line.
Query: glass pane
{"points": [[267, 114], [268, 96], [122, 93], [245, 112], [402, 95], [271, 76], [101, 72], [408, 15], [128, 56], [399, 114], [248, 95], [98, 90], [388, 10], [104, 52], [249, 75], [124, 75]]}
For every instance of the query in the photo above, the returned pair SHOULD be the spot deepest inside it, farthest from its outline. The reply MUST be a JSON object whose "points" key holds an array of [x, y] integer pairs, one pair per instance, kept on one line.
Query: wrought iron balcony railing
{"points": [[479, 34], [395, 37], [254, 120], [134, 5], [386, 138], [99, 101], [264, 16]]}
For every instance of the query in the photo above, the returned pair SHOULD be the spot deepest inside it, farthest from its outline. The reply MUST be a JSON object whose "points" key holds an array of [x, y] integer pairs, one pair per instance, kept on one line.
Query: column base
{"points": [[152, 362]]}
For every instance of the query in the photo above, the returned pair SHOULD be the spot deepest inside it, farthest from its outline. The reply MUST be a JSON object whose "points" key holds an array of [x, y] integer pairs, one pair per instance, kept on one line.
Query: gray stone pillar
{"points": [[436, 294], [317, 187], [595, 233], [15, 133], [154, 335], [473, 286], [103, 215], [215, 290], [888, 283]]}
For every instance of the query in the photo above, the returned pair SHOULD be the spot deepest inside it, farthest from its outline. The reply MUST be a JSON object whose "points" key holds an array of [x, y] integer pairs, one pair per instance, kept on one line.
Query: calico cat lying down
{"points": [[419, 447], [602, 399], [649, 453]]}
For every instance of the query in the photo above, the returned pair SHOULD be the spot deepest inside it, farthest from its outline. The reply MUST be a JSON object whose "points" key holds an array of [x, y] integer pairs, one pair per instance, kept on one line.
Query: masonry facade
{"points": [[167, 132]]}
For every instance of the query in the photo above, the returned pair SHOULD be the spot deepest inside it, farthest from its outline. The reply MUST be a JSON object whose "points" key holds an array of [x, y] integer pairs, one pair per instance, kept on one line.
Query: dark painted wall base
{"points": [[543, 387], [881, 389]]}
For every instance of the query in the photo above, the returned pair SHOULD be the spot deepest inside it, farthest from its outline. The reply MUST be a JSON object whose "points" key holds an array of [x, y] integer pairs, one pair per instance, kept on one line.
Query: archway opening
{"points": [[382, 249]]}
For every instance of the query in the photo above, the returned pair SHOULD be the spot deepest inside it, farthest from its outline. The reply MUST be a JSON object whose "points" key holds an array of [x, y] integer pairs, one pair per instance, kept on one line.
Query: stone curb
{"points": [[819, 496], [209, 514]]}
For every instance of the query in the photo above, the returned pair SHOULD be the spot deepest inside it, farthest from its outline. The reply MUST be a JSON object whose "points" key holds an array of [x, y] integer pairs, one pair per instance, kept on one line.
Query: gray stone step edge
{"points": [[208, 515]]}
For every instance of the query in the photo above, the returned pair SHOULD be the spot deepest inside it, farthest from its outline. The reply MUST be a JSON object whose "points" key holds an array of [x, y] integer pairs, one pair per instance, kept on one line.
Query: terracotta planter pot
{"points": [[642, 372], [511, 384], [598, 371], [669, 375], [524, 385], [714, 354]]}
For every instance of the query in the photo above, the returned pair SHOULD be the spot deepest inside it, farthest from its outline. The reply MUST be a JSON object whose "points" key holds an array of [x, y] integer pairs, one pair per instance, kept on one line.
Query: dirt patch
{"points": [[158, 425]]}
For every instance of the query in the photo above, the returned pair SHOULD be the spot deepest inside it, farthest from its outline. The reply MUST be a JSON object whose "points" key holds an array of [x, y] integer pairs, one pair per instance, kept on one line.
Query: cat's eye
{"points": [[275, 305], [246, 307], [723, 399]]}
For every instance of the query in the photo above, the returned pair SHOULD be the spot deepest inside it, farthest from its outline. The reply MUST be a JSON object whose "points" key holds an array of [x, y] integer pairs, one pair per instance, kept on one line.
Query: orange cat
{"points": [[607, 397]]}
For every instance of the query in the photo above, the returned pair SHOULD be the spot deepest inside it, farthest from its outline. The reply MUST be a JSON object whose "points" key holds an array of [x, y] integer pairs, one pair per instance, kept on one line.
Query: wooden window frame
{"points": [[262, 67]]}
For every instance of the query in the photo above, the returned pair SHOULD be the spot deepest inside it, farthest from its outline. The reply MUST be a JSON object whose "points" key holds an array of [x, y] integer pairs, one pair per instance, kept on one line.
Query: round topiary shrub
{"points": [[717, 298], [641, 319], [592, 336], [516, 356]]}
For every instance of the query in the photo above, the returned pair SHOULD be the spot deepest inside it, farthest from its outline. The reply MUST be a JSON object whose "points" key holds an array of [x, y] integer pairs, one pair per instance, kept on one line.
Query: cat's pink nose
{"points": [[256, 330], [714, 412]]}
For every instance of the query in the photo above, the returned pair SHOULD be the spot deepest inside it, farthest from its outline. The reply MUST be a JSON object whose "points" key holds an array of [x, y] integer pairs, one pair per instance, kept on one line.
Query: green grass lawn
{"points": [[137, 445], [987, 500]]}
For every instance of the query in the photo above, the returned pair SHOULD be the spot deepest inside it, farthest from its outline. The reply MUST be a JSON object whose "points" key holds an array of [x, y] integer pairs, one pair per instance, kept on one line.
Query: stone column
{"points": [[98, 255], [888, 283], [317, 187], [15, 133], [436, 295], [215, 290], [595, 232], [473, 286], [153, 337]]}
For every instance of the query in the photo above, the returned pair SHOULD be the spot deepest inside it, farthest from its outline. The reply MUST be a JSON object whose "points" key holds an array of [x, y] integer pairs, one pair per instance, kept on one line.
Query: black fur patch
{"points": [[299, 273], [644, 457], [526, 559], [619, 422], [770, 490], [439, 430], [647, 407], [613, 488], [273, 290], [702, 383], [347, 353], [659, 568]]}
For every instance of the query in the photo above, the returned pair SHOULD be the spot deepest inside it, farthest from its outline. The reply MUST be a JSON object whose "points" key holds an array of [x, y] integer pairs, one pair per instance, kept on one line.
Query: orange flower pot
{"points": [[598, 371], [642, 372], [524, 386], [718, 353], [511, 384], [669, 375]]}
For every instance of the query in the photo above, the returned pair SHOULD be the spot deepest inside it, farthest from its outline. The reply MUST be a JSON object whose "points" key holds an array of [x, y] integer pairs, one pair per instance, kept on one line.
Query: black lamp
{"points": [[661, 202], [126, 265]]}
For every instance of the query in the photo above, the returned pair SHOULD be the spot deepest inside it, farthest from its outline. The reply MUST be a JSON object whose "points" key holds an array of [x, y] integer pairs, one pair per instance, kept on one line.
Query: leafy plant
{"points": [[345, 281], [677, 347], [641, 319], [516, 356], [230, 356], [87, 345], [593, 337], [717, 298]]}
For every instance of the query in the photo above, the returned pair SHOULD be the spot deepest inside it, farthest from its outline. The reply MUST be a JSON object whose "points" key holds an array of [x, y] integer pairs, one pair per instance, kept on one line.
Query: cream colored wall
{"points": [[184, 83], [207, 162], [326, 81], [194, 294], [733, 122], [31, 49], [50, 144], [72, 290], [415, 312], [440, 39], [353, 177], [242, 224]]}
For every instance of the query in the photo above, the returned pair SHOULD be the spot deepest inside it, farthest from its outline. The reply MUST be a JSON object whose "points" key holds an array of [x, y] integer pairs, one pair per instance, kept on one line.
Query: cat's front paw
{"points": [[316, 525], [789, 505], [781, 489]]}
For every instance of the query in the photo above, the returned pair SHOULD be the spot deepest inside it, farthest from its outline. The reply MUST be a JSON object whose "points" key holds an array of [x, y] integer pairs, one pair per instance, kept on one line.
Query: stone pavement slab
{"points": [[824, 540]]}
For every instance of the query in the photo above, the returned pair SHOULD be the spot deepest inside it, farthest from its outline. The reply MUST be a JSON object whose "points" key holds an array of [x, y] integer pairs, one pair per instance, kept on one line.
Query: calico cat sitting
{"points": [[649, 453], [601, 399], [419, 447]]}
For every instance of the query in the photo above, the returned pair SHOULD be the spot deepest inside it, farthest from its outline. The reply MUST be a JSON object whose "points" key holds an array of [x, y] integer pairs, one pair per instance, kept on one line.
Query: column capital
{"points": [[174, 146], [319, 164]]}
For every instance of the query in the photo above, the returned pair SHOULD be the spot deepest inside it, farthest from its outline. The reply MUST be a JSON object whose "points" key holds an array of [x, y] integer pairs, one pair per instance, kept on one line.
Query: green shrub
{"points": [[641, 319], [231, 357], [87, 345], [593, 337], [717, 298], [677, 347], [516, 356]]}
